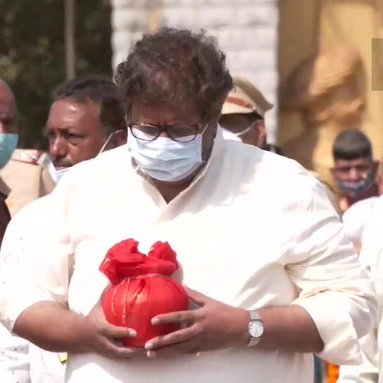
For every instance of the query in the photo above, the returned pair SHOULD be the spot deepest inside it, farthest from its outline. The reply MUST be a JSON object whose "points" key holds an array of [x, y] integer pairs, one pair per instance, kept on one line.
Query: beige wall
{"points": [[315, 24], [358, 22], [298, 39]]}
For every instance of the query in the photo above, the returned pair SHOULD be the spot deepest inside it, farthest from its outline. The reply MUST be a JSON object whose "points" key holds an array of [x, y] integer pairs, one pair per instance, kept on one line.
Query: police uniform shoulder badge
{"points": [[31, 156]]}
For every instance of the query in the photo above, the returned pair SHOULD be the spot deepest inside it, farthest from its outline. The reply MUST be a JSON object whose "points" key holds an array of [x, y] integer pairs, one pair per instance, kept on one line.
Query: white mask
{"points": [[57, 174], [166, 160], [227, 135], [106, 143]]}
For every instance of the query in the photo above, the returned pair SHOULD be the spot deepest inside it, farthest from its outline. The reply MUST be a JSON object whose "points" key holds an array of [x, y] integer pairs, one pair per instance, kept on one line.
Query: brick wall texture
{"points": [[246, 30]]}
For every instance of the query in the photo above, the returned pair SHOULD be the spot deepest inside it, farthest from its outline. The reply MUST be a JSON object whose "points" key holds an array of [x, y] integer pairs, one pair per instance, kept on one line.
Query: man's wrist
{"points": [[83, 334], [255, 328]]}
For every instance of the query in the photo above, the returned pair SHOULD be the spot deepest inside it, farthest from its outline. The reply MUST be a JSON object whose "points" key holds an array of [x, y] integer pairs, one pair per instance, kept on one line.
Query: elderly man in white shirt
{"points": [[274, 279]]}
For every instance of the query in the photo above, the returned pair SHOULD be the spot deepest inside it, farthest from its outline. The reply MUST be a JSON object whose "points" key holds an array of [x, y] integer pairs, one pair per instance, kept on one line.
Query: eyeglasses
{"points": [[176, 132]]}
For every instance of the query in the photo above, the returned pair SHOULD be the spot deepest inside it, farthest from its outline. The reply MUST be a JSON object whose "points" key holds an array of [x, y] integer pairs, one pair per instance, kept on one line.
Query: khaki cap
{"points": [[245, 98]]}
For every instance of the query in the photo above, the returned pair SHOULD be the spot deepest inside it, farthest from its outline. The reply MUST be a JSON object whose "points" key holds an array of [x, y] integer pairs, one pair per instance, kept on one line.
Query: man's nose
{"points": [[354, 174], [164, 133], [58, 147]]}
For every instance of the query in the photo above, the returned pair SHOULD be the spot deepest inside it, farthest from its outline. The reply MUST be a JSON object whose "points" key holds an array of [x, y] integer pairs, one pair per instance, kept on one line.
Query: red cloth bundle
{"points": [[141, 289]]}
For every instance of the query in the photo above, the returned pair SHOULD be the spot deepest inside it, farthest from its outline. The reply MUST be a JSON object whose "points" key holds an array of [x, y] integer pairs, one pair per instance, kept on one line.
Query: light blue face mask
{"points": [[8, 144]]}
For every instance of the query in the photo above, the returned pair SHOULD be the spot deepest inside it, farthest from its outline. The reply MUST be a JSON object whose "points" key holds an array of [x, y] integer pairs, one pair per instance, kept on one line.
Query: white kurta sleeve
{"points": [[356, 218], [367, 371], [333, 285], [372, 258], [35, 258]]}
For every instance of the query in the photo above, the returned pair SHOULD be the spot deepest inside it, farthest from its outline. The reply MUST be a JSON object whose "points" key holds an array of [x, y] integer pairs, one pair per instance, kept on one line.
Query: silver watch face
{"points": [[255, 328]]}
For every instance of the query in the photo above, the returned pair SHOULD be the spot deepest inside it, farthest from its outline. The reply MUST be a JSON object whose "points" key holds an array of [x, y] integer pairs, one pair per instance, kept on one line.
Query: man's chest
{"points": [[226, 251]]}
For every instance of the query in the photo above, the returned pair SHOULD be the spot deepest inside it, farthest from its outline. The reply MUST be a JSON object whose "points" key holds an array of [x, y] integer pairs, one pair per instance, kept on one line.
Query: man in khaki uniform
{"points": [[28, 173], [243, 113], [84, 119]]}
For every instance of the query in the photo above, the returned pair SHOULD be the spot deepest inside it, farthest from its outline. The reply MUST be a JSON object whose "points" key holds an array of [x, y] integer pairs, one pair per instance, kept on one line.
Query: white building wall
{"points": [[247, 31]]}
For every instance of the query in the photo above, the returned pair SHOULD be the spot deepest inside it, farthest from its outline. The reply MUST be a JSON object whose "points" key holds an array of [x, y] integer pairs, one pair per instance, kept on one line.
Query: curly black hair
{"points": [[100, 90], [175, 67]]}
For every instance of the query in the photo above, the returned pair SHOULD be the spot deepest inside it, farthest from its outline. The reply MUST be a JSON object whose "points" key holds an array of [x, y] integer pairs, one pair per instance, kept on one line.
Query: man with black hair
{"points": [[260, 304], [84, 119], [354, 168], [354, 172]]}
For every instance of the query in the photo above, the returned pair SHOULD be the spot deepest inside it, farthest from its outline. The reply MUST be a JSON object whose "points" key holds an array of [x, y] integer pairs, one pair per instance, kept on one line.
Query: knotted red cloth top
{"points": [[141, 289]]}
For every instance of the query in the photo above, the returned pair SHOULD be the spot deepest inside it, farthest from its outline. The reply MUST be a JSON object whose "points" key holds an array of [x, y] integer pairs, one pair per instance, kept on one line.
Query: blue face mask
{"points": [[8, 143]]}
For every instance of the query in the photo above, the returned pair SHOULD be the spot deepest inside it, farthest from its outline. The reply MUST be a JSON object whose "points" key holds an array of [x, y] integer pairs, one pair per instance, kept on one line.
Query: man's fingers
{"points": [[189, 347], [118, 332], [107, 347], [175, 317], [180, 336]]}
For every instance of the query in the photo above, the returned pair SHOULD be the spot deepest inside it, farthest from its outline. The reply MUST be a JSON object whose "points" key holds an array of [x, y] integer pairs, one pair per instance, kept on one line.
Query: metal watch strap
{"points": [[254, 316]]}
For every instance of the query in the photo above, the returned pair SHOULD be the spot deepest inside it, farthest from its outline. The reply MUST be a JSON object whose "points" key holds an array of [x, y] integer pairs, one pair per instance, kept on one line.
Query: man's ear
{"points": [[379, 175], [259, 125]]}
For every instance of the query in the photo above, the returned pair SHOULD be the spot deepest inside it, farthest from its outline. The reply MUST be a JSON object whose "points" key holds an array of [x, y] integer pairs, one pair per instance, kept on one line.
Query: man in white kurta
{"points": [[252, 230], [357, 217], [371, 370]]}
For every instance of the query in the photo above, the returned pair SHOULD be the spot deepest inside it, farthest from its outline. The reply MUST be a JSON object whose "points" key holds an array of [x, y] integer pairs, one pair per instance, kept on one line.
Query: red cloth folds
{"points": [[141, 289]]}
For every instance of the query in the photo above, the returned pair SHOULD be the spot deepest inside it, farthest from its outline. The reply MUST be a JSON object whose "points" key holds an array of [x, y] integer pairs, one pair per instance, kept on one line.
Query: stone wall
{"points": [[247, 30]]}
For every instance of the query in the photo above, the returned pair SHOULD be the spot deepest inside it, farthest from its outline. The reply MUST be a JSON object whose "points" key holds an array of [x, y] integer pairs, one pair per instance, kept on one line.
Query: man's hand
{"points": [[105, 338], [214, 325], [54, 327]]}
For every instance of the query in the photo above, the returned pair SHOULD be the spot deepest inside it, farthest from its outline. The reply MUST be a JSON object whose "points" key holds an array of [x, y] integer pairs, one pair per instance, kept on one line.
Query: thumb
{"points": [[97, 316], [118, 331]]}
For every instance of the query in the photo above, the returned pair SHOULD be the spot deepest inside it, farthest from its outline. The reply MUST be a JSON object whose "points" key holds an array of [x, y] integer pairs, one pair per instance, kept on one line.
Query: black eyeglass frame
{"points": [[198, 129]]}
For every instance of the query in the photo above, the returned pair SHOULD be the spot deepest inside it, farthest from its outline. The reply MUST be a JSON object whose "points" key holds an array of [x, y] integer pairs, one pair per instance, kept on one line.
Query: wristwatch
{"points": [[255, 328]]}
